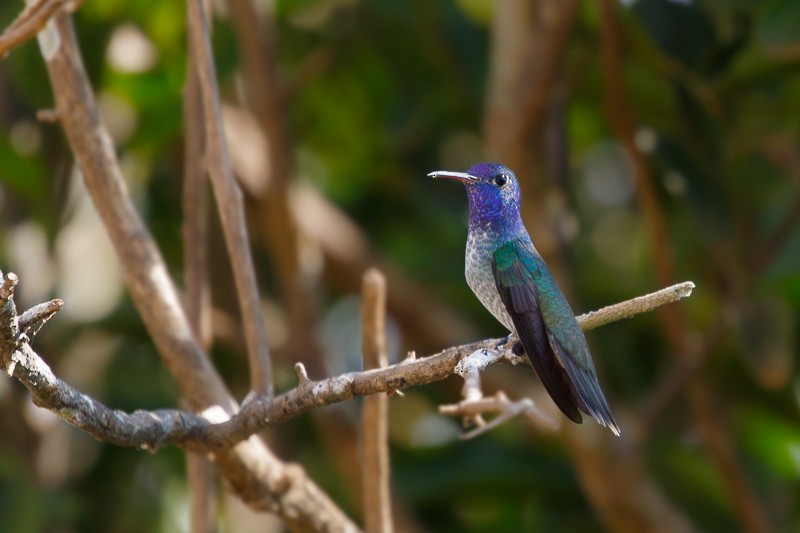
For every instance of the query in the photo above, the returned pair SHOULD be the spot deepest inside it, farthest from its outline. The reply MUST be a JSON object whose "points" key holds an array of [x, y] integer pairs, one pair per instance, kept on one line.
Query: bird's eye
{"points": [[500, 180]]}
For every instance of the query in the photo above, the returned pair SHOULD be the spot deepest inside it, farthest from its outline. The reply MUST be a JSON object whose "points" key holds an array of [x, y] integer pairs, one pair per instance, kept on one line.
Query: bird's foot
{"points": [[502, 344], [518, 349]]}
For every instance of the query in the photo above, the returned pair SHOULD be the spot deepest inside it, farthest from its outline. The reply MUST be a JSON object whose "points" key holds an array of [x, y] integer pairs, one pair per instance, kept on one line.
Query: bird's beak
{"points": [[459, 176]]}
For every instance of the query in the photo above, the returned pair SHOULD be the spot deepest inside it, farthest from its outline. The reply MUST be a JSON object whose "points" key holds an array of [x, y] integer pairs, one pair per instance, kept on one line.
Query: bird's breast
{"points": [[478, 271]]}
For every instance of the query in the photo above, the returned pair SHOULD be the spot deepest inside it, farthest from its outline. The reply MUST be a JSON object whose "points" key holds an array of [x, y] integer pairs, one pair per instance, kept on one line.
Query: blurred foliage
{"points": [[716, 89]]}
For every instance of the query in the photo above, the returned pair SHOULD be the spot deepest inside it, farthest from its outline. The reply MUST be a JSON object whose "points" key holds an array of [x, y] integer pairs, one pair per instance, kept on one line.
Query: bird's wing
{"points": [[517, 289], [548, 328]]}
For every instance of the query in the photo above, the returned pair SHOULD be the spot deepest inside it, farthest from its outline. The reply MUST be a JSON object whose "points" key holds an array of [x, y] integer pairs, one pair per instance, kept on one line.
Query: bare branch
{"points": [[474, 405], [250, 468], [230, 205], [634, 306], [154, 429], [197, 299], [200, 471], [498, 404], [200, 476], [375, 414], [32, 320], [7, 286], [152, 290], [31, 21]]}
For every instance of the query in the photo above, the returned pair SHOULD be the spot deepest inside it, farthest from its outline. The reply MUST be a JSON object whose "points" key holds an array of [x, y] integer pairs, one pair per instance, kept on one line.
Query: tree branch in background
{"points": [[528, 48], [200, 477], [200, 471], [32, 20], [375, 486], [152, 290], [265, 97], [254, 473], [706, 418], [197, 298], [230, 205]]}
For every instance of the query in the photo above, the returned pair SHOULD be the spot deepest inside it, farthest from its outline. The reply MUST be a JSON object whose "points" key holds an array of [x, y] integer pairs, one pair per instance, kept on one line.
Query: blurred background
{"points": [[656, 140]]}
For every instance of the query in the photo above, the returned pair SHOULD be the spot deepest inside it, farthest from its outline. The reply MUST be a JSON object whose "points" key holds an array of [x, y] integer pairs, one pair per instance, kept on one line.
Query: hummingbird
{"points": [[512, 281]]}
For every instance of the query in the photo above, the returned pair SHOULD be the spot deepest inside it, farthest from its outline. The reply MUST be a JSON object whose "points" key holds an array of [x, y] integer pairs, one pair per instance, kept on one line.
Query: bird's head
{"points": [[492, 190]]}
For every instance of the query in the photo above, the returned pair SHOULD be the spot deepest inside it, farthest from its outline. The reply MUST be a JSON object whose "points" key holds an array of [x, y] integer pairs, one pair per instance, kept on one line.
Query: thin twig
{"points": [[499, 404], [200, 477], [32, 320], [231, 206], [632, 307], [31, 21], [197, 300], [265, 97], [377, 504], [474, 404]]}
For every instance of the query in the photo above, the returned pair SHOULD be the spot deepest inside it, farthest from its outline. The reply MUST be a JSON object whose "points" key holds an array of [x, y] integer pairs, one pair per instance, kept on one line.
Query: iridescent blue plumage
{"points": [[510, 278]]}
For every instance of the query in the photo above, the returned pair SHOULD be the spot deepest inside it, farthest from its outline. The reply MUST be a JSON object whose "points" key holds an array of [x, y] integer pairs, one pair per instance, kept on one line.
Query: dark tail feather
{"points": [[586, 389], [532, 334]]}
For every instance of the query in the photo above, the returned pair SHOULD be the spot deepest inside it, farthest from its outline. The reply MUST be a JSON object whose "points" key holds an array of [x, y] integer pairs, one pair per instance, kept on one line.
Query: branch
{"points": [[200, 477], [499, 404], [705, 415], [634, 306], [250, 468], [200, 471], [265, 97], [475, 405], [377, 504], [197, 298], [214, 430], [31, 21], [231, 206]]}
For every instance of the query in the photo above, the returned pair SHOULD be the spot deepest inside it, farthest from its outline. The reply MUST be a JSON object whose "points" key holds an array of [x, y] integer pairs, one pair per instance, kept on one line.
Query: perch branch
{"points": [[632, 307], [377, 504], [207, 431], [231, 205]]}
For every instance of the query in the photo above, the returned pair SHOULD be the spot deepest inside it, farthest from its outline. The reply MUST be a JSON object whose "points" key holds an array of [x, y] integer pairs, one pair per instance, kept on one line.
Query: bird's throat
{"points": [[501, 224]]}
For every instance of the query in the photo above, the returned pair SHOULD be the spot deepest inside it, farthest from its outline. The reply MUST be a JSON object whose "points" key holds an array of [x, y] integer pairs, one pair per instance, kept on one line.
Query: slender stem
{"points": [[375, 415], [200, 476], [197, 298], [634, 306], [197, 301], [31, 21], [230, 205]]}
